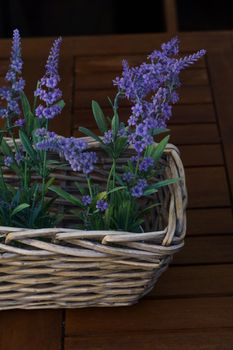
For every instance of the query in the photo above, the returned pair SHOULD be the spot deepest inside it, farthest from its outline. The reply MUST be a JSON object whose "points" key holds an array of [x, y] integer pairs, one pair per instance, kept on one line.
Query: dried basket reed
{"points": [[70, 268]]}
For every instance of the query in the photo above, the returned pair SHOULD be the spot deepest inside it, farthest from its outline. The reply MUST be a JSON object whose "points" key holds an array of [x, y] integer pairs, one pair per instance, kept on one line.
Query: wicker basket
{"points": [[68, 268]]}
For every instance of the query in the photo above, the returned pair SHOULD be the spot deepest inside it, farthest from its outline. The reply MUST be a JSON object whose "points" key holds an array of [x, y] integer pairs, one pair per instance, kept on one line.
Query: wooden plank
{"points": [[221, 75], [113, 63], [205, 155], [213, 41], [103, 80], [180, 134], [191, 134], [151, 315], [181, 114], [207, 187], [4, 63], [209, 221], [170, 14], [188, 95], [180, 340], [204, 280], [37, 330], [206, 250]]}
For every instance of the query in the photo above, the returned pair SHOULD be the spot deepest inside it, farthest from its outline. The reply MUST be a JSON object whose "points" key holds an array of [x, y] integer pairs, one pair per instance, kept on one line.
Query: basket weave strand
{"points": [[70, 268]]}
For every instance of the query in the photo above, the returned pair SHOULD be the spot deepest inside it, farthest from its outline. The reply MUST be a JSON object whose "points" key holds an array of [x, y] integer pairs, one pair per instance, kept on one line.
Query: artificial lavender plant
{"points": [[128, 193], [23, 202], [151, 89]]}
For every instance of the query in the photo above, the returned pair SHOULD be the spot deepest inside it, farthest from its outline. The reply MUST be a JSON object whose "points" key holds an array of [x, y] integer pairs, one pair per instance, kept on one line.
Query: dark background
{"points": [[96, 17]]}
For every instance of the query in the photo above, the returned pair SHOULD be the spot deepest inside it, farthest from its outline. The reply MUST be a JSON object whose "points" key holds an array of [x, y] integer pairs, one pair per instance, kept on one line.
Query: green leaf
{"points": [[80, 188], [99, 116], [27, 145], [117, 189], [61, 104], [166, 182], [49, 183], [149, 191], [149, 208], [6, 148], [28, 115], [115, 123], [120, 146], [119, 179], [19, 208], [88, 132], [158, 131], [67, 196], [156, 151]]}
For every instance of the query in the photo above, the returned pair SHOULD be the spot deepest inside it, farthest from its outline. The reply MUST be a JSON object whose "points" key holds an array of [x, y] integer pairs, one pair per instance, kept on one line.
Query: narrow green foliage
{"points": [[99, 117]]}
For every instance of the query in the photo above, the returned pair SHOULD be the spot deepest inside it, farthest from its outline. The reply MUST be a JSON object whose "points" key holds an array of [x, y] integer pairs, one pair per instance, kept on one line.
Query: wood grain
{"points": [[188, 95], [87, 79], [185, 134], [209, 221], [26, 330], [221, 72], [204, 280], [169, 340], [207, 187], [153, 315], [183, 114], [206, 250]]}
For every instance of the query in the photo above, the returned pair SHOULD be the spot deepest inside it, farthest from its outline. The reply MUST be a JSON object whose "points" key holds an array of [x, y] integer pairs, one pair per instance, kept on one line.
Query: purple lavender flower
{"points": [[128, 176], [137, 110], [19, 156], [134, 159], [72, 149], [8, 161], [20, 122], [150, 88], [41, 132], [16, 60], [48, 140], [122, 131], [83, 161], [102, 205], [11, 94], [86, 200], [47, 89], [146, 163], [108, 137], [138, 189], [3, 113]]}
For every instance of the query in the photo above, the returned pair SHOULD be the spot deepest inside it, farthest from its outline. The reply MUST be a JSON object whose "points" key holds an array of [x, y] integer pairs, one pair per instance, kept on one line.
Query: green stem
{"points": [[89, 186], [44, 170], [112, 174], [115, 104], [137, 166], [2, 181]]}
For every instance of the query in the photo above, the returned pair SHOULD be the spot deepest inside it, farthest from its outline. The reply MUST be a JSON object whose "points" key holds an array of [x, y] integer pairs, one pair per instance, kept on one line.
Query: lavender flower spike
{"points": [[47, 89], [102, 205], [11, 94], [52, 62], [16, 64], [151, 89]]}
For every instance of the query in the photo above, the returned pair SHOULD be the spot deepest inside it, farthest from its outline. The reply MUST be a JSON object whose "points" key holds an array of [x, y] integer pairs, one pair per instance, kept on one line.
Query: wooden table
{"points": [[192, 304]]}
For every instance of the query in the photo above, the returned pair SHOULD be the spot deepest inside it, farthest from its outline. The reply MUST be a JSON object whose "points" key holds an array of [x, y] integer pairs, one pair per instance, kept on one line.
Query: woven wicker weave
{"points": [[68, 268]]}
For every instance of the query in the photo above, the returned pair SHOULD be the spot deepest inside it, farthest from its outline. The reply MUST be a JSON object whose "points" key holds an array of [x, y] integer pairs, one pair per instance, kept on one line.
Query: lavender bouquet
{"points": [[25, 205], [123, 202]]}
